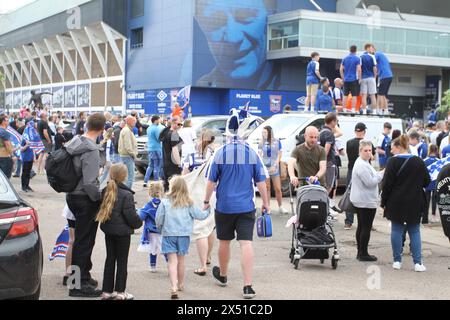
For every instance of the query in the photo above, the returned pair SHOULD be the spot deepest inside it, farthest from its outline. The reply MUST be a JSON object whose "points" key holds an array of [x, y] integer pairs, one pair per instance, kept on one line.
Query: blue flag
{"points": [[32, 136], [61, 246], [436, 167], [16, 140], [185, 94]]}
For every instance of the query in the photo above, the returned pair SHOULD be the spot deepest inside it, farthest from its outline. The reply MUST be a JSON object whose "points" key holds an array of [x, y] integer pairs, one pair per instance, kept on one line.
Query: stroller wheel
{"points": [[296, 263], [322, 261], [334, 263], [291, 255]]}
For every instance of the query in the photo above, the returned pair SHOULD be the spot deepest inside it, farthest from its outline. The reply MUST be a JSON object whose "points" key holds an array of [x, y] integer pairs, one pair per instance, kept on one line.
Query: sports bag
{"points": [[264, 225]]}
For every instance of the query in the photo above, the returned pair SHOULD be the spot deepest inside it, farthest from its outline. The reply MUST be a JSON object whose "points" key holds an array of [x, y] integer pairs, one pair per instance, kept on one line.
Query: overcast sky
{"points": [[8, 5]]}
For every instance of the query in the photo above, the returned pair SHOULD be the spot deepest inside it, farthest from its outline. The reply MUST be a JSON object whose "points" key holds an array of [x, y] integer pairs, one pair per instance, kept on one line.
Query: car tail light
{"points": [[23, 223]]}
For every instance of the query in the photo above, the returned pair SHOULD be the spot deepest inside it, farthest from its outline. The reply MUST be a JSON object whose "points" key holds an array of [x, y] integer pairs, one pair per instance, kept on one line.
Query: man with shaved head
{"points": [[309, 159], [128, 148]]}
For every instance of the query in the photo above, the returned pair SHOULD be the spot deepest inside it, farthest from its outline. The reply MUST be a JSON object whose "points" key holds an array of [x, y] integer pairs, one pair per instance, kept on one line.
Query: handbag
{"points": [[264, 225], [345, 204]]}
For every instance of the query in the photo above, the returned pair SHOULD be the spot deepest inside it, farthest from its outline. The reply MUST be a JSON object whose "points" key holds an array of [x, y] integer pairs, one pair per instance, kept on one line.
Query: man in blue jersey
{"points": [[351, 73], [385, 76], [312, 81], [384, 142], [235, 169], [368, 76]]}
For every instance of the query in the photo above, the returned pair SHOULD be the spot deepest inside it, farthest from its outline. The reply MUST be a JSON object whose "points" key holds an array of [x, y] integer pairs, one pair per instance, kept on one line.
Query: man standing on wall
{"points": [[312, 81], [351, 73]]}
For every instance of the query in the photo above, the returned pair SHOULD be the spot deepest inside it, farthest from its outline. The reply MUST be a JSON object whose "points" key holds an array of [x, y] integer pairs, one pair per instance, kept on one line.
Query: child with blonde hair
{"points": [[175, 219], [151, 239], [118, 220]]}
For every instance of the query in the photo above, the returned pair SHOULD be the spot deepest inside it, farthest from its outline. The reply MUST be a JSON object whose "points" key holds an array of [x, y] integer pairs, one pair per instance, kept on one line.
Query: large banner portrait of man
{"points": [[235, 34]]}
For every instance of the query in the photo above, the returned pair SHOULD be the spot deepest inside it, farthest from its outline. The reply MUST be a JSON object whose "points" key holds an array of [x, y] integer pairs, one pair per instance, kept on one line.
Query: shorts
{"points": [[178, 245], [71, 223], [312, 89], [273, 174], [242, 224], [48, 146], [352, 87], [385, 85], [331, 176], [368, 86]]}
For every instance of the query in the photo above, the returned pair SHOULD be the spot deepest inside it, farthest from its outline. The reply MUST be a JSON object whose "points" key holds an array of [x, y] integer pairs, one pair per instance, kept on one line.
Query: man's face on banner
{"points": [[236, 34]]}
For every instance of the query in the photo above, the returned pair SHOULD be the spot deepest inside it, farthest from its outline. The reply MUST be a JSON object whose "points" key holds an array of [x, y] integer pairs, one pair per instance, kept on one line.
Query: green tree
{"points": [[444, 109]]}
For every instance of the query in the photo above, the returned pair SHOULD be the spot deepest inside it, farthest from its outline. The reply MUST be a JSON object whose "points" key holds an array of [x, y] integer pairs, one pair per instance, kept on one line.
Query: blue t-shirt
{"points": [[446, 151], [27, 155], [324, 102], [368, 62], [350, 63], [428, 162], [4, 136], [422, 150], [384, 66], [153, 133], [383, 143], [311, 76], [236, 167], [270, 152]]}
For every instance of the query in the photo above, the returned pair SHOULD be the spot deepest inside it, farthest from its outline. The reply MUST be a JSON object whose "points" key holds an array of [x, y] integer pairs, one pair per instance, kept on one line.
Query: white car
{"points": [[287, 127], [216, 123]]}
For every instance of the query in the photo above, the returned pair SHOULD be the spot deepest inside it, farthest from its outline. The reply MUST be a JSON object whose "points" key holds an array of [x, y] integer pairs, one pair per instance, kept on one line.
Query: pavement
{"points": [[274, 276]]}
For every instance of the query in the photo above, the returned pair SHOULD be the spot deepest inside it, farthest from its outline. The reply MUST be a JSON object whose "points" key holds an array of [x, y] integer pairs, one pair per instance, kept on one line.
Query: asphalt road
{"points": [[274, 276]]}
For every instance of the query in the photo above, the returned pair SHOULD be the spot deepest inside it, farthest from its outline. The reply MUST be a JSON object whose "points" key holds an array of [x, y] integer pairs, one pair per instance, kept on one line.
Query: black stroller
{"points": [[312, 236]]}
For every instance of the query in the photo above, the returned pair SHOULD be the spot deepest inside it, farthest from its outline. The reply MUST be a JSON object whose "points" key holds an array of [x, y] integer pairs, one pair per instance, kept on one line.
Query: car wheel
{"points": [[34, 296]]}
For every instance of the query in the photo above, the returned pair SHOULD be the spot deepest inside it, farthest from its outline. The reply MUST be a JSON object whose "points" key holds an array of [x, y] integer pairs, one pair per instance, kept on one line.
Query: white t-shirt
{"points": [[413, 150], [444, 143], [337, 94], [433, 137], [188, 136]]}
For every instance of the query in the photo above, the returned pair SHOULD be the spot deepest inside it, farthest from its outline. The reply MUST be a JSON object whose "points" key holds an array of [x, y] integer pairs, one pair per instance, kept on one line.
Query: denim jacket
{"points": [[178, 222]]}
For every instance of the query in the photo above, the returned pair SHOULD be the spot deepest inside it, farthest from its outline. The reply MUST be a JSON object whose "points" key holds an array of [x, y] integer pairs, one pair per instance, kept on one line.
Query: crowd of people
{"points": [[357, 83], [104, 149]]}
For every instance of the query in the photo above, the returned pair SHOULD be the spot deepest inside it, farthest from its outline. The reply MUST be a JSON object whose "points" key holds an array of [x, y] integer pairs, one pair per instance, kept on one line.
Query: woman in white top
{"points": [[189, 137], [364, 197]]}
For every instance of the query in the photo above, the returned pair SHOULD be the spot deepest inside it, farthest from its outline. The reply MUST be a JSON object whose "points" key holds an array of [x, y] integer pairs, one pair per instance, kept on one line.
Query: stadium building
{"points": [[232, 52]]}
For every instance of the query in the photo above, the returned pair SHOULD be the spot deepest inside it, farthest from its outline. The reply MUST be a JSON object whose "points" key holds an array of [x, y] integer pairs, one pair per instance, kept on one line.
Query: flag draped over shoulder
{"points": [[31, 135], [16, 139], [436, 167], [61, 246]]}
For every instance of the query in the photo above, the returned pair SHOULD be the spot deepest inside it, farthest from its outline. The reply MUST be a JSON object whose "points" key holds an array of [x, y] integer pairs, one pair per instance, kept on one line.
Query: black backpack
{"points": [[61, 173], [163, 134]]}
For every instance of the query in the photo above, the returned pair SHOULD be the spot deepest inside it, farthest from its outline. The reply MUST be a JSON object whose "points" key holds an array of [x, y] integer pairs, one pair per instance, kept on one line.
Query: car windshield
{"points": [[283, 126], [6, 192]]}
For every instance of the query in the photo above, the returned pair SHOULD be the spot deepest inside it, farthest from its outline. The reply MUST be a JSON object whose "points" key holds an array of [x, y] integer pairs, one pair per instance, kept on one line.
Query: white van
{"points": [[287, 126]]}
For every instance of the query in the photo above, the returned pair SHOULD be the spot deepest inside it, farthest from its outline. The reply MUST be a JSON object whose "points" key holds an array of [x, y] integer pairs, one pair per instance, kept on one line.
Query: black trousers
{"points": [[6, 165], [26, 173], [85, 212], [169, 172], [365, 222], [431, 196], [117, 249]]}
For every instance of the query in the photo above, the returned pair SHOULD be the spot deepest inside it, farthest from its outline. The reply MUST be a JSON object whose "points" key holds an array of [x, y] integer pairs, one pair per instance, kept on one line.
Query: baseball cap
{"points": [[360, 127]]}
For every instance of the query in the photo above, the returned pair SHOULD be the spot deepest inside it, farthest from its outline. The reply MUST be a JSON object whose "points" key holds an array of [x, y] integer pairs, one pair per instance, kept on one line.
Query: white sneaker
{"points": [[282, 210], [397, 265], [374, 112], [153, 270], [364, 111], [419, 268], [333, 213]]}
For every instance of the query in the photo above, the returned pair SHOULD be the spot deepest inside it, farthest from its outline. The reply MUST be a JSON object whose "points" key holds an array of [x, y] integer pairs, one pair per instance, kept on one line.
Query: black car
{"points": [[21, 256]]}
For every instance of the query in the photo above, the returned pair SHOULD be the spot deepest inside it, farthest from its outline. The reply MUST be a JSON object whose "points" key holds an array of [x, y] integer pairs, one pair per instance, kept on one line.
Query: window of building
{"points": [[283, 35], [137, 38], [137, 8]]}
